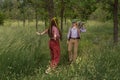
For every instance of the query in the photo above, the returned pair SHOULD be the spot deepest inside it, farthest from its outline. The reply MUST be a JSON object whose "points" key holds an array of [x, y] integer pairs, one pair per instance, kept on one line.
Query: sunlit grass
{"points": [[25, 56]]}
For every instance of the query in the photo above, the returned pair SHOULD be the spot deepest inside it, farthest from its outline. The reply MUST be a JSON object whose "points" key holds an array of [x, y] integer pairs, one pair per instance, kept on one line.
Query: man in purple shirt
{"points": [[73, 38]]}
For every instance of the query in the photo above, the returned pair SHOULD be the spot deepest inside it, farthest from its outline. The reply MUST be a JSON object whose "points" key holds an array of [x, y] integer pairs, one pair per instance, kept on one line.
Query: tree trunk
{"points": [[28, 22], [18, 23], [23, 22], [62, 14], [65, 21], [115, 21], [51, 9], [45, 21], [36, 20], [24, 19]]}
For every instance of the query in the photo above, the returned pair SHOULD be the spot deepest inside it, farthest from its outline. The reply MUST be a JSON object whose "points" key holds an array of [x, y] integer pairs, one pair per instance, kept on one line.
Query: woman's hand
{"points": [[38, 33], [55, 37]]}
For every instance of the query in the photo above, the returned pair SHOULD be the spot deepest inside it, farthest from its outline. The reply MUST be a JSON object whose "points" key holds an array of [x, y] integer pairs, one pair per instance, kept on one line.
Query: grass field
{"points": [[25, 56]]}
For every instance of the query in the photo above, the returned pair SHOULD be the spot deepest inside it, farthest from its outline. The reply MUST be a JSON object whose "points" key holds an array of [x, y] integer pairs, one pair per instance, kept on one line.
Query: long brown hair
{"points": [[54, 22]]}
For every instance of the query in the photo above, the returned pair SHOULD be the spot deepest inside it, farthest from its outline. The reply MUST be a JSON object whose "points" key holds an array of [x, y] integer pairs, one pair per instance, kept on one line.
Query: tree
{"points": [[50, 8], [62, 13], [23, 8], [6, 8], [39, 9], [2, 17], [112, 7], [98, 14], [115, 21]]}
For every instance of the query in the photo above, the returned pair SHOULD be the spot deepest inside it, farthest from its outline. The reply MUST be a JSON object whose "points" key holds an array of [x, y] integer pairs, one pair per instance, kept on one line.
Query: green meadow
{"points": [[25, 55]]}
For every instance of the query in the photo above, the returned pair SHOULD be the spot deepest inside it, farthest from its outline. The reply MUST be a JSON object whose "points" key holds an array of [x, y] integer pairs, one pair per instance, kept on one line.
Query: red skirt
{"points": [[54, 52]]}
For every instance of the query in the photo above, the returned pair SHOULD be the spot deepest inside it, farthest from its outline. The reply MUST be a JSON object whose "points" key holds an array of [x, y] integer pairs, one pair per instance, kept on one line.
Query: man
{"points": [[73, 41]]}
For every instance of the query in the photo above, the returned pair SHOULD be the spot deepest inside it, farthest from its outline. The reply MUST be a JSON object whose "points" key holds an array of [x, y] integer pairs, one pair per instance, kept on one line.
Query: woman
{"points": [[54, 45], [73, 38]]}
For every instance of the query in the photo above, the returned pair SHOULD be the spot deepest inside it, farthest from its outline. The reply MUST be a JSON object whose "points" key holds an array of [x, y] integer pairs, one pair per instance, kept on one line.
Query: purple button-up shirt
{"points": [[73, 33]]}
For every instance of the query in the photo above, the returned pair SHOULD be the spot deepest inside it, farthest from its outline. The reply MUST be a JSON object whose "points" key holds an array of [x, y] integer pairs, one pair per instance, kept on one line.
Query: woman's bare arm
{"points": [[42, 33]]}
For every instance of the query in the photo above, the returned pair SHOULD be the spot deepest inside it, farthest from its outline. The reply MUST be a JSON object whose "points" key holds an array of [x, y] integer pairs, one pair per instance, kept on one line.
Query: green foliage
{"points": [[107, 5], [86, 8], [26, 9], [2, 18], [98, 15]]}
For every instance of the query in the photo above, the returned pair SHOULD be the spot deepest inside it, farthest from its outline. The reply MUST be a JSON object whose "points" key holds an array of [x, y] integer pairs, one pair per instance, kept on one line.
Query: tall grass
{"points": [[24, 55]]}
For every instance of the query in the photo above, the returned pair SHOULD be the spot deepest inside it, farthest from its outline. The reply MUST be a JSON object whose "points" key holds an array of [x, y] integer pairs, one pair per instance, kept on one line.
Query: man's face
{"points": [[74, 24]]}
